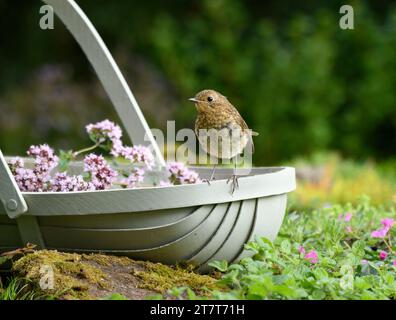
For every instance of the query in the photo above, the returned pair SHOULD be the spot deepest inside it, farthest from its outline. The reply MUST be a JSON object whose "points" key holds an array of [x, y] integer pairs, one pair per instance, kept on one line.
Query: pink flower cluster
{"points": [[137, 154], [178, 173], [101, 174], [107, 133], [65, 183], [38, 178], [311, 256], [387, 224], [45, 159], [134, 178], [98, 174], [346, 218]]}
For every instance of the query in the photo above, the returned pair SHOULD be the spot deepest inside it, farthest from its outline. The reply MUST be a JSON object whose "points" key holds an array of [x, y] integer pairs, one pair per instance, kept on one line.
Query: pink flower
{"points": [[347, 217], [28, 180], [138, 154], [180, 174], [394, 263], [311, 256], [134, 178], [37, 179], [364, 262], [45, 159], [106, 133], [387, 224], [102, 175], [301, 249], [348, 229], [64, 183], [379, 233], [16, 163], [383, 255]]}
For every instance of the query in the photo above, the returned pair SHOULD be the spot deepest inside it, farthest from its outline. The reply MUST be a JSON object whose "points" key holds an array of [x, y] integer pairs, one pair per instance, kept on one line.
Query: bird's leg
{"points": [[211, 175], [234, 179]]}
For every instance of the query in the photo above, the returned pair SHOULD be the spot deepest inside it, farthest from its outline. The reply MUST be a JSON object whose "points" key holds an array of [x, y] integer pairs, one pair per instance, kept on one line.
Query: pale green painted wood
{"points": [[130, 220], [269, 217], [138, 238], [159, 198], [174, 234], [11, 198], [30, 231], [221, 234]]}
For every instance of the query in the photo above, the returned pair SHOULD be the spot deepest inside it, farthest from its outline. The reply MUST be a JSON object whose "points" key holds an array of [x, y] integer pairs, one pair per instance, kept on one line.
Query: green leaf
{"points": [[64, 159], [318, 295], [361, 283], [285, 246], [116, 296], [222, 266]]}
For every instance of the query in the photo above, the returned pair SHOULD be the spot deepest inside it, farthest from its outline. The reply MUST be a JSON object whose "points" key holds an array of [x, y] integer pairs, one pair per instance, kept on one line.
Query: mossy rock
{"points": [[97, 276]]}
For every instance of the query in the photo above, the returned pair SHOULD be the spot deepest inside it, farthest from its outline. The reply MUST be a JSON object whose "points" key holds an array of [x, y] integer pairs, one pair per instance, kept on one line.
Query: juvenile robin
{"points": [[221, 130]]}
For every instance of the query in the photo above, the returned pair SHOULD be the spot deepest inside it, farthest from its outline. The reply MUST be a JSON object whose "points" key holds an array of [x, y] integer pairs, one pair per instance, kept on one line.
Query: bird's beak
{"points": [[193, 100]]}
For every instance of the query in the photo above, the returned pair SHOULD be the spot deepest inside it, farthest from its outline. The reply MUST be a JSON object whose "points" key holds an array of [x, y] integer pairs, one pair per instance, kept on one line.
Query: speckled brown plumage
{"points": [[216, 112]]}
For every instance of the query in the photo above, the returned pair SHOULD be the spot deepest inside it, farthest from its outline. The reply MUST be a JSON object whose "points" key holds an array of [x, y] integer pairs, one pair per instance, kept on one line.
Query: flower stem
{"points": [[389, 246], [75, 154]]}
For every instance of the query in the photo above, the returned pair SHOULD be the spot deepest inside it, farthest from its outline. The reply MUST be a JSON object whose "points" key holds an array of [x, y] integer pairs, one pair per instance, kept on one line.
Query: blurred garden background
{"points": [[323, 99]]}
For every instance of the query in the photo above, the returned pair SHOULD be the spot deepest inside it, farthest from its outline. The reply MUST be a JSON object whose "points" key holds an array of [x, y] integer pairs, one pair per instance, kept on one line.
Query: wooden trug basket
{"points": [[195, 223]]}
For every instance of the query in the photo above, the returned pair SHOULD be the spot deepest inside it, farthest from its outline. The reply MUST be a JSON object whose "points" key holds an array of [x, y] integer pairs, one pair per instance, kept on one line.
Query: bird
{"points": [[221, 130]]}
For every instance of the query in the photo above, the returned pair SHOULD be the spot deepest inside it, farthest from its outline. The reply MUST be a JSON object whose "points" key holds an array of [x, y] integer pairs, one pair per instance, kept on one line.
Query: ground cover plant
{"points": [[335, 252]]}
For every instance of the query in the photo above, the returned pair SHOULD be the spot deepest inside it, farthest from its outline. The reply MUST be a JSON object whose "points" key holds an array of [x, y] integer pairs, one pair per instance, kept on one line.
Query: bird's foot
{"points": [[234, 183]]}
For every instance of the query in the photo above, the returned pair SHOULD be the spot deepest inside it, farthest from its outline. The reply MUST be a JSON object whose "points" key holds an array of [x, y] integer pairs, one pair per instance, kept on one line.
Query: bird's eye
{"points": [[210, 99]]}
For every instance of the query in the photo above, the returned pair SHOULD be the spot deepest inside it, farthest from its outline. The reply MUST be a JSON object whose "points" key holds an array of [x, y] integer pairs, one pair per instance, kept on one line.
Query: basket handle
{"points": [[108, 72], [10, 195]]}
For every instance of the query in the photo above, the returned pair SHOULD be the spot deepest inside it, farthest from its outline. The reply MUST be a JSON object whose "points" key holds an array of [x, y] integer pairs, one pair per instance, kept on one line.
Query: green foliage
{"points": [[306, 76], [116, 296], [298, 79], [18, 289]]}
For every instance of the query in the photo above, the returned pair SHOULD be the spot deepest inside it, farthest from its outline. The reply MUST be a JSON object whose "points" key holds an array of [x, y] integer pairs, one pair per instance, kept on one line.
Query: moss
{"points": [[91, 276], [161, 278], [106, 260], [72, 275]]}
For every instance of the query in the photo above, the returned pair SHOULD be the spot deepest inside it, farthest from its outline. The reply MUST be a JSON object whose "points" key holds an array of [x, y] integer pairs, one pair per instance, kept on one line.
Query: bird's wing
{"points": [[245, 128], [238, 120]]}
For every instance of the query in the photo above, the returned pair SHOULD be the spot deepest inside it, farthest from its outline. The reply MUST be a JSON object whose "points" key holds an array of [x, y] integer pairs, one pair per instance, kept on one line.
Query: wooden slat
{"points": [[219, 237], [129, 239], [146, 219], [11, 199], [158, 198], [179, 250], [30, 232]]}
